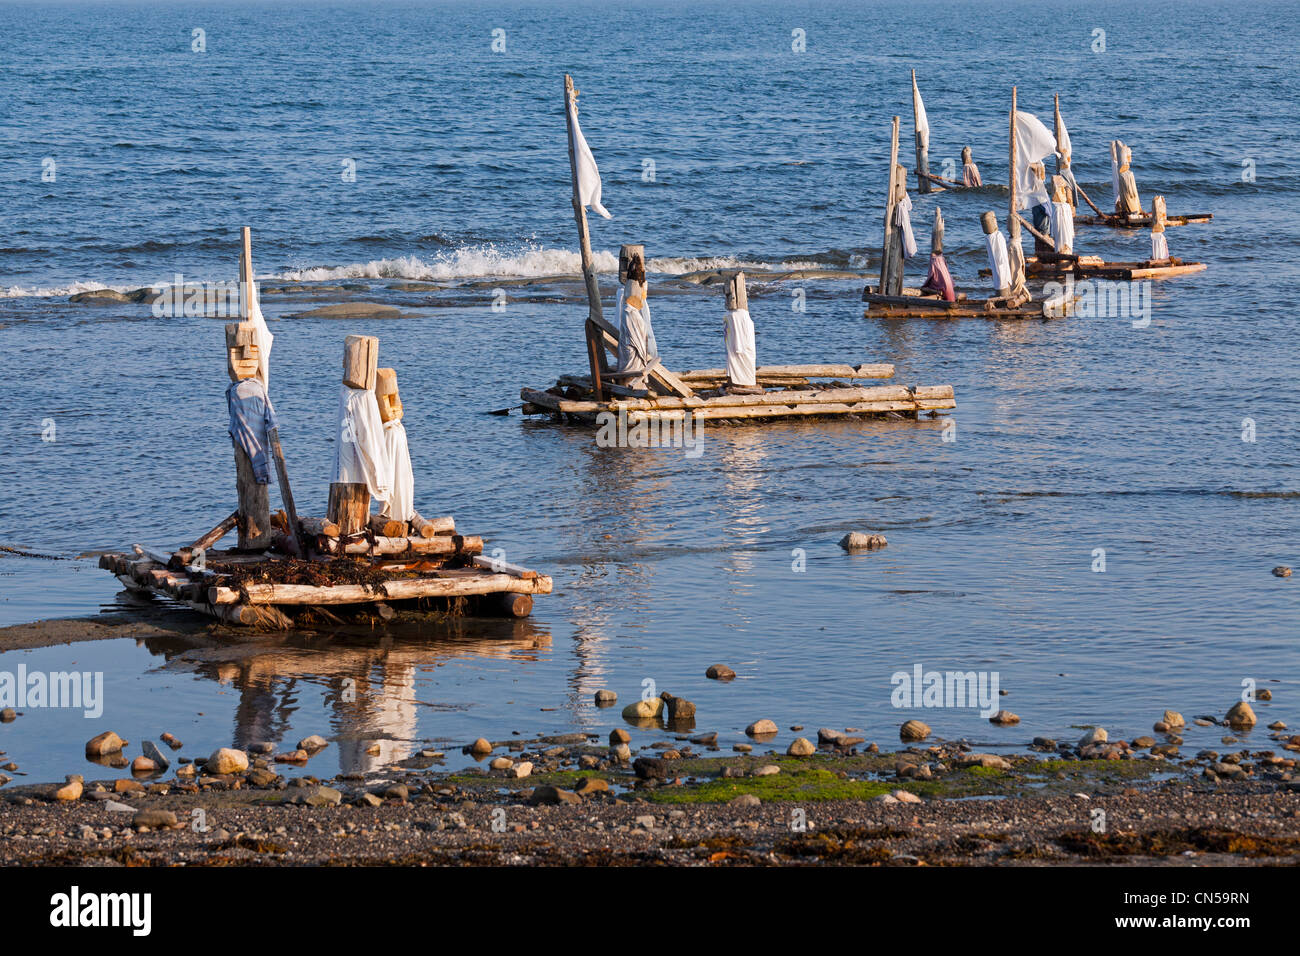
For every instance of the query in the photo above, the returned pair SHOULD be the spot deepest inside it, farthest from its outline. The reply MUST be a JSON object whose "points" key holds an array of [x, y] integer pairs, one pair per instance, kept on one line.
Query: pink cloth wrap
{"points": [[938, 279]]}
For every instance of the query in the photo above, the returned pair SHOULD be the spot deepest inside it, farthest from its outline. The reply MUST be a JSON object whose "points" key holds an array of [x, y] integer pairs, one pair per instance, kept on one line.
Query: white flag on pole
{"points": [[262, 334], [922, 121], [1034, 142], [585, 163]]}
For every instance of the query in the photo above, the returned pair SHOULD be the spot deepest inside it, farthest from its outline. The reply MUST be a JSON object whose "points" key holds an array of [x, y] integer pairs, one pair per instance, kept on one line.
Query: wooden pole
{"points": [[1011, 160], [922, 150], [595, 317], [579, 211], [277, 452], [887, 256]]}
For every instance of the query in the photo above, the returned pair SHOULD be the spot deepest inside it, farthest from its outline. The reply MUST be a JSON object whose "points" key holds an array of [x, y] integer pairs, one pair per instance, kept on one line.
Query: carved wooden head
{"points": [[390, 402], [360, 358], [242, 353]]}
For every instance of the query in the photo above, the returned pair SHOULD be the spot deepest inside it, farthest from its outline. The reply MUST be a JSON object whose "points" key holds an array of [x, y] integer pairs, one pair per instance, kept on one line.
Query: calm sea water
{"points": [[1072, 436]]}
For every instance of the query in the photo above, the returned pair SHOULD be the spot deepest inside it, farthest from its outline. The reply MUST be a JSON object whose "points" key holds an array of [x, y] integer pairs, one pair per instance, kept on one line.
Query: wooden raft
{"points": [[1094, 267], [1143, 221], [789, 391], [442, 565]]}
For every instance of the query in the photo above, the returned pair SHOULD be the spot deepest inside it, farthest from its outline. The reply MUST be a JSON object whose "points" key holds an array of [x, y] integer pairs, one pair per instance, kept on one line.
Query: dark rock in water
{"points": [[8, 715], [100, 297], [706, 740], [720, 672], [857, 541], [550, 796], [351, 310], [1282, 571], [262, 748], [152, 752], [397, 792], [650, 768], [914, 730], [605, 697], [102, 745], [678, 708]]}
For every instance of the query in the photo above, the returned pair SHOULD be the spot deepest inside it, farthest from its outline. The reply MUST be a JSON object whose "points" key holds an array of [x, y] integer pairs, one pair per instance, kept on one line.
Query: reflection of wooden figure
{"points": [[970, 173], [252, 420], [361, 468], [741, 356], [1127, 202], [400, 504], [1159, 245]]}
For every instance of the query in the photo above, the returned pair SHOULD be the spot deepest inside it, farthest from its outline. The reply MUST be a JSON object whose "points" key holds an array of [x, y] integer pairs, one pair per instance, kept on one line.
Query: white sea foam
{"points": [[466, 263], [483, 262]]}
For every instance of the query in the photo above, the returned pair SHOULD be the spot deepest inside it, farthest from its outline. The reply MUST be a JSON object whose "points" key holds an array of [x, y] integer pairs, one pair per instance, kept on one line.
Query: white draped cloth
{"points": [[903, 219], [261, 334], [999, 264], [585, 164], [922, 121], [1034, 142], [741, 355], [360, 455], [1159, 246], [400, 503], [1016, 260], [1060, 218], [637, 349]]}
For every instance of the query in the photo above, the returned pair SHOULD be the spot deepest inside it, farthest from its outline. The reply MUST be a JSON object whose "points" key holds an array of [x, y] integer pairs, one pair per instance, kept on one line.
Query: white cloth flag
{"points": [[588, 174], [999, 264], [1159, 246], [922, 121], [261, 334], [741, 355], [903, 219], [1034, 142], [400, 504], [359, 451]]}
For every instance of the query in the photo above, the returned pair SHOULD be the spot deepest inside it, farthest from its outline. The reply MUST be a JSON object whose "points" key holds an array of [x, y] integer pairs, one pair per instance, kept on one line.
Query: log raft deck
{"points": [[240, 588], [789, 391]]}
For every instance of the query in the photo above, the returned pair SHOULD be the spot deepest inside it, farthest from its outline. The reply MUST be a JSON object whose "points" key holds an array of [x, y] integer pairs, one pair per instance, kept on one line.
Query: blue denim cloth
{"points": [[251, 419]]}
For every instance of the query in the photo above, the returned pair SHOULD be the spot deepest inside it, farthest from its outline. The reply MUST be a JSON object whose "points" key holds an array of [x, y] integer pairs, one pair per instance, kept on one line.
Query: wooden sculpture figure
{"points": [[1061, 217], [1127, 202], [741, 356], [400, 504], [938, 280], [970, 173], [637, 350], [252, 420], [361, 465], [1159, 244]]}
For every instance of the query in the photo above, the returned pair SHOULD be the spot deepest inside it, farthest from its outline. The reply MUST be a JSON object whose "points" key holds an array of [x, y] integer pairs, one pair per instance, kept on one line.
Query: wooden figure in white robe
{"points": [[1061, 217], [400, 504], [970, 173], [742, 364], [361, 465], [1159, 244], [637, 350], [1008, 281], [1127, 202], [251, 420]]}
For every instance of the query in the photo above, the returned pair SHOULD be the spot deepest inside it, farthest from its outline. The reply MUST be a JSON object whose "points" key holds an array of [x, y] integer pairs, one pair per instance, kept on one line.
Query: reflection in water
{"points": [[373, 687]]}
